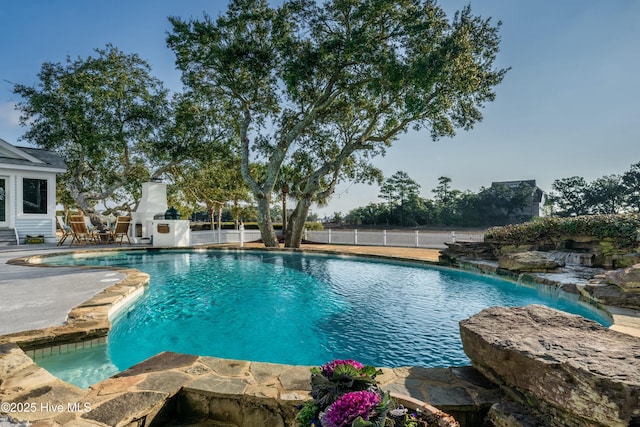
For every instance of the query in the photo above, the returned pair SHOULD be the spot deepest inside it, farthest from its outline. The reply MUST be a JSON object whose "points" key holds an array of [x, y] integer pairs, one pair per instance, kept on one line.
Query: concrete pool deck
{"points": [[35, 298]]}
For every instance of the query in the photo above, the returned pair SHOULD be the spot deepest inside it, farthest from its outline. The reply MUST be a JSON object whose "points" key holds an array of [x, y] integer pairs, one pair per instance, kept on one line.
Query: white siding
{"points": [[32, 224], [36, 227]]}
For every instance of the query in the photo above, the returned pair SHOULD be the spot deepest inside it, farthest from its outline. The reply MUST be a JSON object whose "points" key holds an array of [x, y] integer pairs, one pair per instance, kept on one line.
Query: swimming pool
{"points": [[304, 309]]}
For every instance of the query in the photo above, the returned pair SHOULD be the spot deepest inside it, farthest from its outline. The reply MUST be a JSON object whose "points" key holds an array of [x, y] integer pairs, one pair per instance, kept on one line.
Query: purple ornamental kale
{"points": [[328, 368], [350, 406]]}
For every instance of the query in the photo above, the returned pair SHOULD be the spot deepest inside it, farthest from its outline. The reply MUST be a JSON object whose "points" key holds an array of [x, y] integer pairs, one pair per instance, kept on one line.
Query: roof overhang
{"points": [[12, 152]]}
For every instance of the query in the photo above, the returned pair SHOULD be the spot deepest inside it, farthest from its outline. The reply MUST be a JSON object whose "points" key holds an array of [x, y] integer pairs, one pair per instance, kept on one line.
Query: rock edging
{"points": [[569, 370]]}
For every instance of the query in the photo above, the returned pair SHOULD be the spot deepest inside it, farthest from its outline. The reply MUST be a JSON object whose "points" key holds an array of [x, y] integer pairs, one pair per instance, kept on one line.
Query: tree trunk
{"points": [[284, 212], [297, 221], [86, 207], [211, 218], [266, 225]]}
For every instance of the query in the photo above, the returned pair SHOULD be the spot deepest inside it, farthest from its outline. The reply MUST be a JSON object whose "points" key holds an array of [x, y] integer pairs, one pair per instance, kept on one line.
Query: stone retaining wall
{"points": [[178, 388]]}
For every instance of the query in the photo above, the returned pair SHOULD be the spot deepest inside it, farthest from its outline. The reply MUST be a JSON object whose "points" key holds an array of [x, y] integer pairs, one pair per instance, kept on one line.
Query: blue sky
{"points": [[569, 106]]}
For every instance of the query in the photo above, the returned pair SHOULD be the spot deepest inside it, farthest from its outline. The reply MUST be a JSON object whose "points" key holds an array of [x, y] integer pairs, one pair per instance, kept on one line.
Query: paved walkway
{"points": [[419, 254], [38, 297]]}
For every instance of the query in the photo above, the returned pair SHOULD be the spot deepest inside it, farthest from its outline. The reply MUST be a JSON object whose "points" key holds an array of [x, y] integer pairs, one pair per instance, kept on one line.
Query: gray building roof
{"points": [[46, 158], [49, 157]]}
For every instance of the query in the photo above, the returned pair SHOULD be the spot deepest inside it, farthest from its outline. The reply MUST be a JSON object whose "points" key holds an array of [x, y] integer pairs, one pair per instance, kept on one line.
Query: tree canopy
{"points": [[100, 114], [325, 87], [398, 190], [113, 124]]}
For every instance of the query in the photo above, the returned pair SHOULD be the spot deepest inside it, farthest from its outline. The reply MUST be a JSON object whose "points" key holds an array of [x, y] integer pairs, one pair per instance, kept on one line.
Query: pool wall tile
{"points": [[65, 348]]}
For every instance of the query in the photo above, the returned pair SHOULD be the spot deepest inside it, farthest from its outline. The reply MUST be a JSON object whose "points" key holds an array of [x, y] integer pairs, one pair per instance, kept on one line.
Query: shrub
{"points": [[622, 229], [314, 226]]}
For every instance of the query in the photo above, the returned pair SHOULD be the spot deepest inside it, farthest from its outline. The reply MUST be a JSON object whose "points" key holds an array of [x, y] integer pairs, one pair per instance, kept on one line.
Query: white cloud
{"points": [[10, 129], [9, 116]]}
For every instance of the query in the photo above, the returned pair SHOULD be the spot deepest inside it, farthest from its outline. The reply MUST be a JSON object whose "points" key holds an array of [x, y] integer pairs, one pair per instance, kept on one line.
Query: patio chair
{"points": [[121, 230], [66, 230], [81, 233]]}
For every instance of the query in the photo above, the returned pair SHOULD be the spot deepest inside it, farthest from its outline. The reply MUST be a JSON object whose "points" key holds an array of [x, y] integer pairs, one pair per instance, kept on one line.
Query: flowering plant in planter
{"points": [[346, 394]]}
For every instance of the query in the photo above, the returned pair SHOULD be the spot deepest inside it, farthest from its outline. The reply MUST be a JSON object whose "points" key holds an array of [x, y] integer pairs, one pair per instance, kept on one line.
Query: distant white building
{"points": [[28, 192]]}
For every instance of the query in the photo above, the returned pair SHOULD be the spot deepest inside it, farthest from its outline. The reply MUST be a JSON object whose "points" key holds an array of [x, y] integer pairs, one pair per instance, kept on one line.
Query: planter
{"points": [[430, 414], [34, 239], [346, 393]]}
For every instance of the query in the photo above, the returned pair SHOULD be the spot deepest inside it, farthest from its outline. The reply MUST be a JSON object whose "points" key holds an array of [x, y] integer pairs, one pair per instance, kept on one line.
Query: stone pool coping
{"points": [[145, 389]]}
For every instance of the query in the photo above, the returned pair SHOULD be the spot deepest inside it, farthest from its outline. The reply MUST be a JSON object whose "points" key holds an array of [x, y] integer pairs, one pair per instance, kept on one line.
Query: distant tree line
{"points": [[610, 194], [495, 205], [404, 206]]}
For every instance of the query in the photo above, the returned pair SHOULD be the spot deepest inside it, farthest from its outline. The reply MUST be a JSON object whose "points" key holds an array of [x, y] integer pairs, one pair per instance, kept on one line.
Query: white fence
{"points": [[415, 239], [223, 236]]}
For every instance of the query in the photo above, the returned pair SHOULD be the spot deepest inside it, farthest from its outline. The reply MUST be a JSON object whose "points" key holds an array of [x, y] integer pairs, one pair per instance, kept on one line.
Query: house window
{"points": [[34, 199]]}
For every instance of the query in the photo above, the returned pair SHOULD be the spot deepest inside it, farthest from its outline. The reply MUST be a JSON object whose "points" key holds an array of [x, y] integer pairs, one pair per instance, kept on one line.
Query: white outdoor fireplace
{"points": [[153, 203], [151, 222]]}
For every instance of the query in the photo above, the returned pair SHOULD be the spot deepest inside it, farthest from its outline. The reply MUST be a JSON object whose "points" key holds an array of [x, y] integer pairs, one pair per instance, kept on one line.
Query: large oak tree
{"points": [[325, 87], [101, 114]]}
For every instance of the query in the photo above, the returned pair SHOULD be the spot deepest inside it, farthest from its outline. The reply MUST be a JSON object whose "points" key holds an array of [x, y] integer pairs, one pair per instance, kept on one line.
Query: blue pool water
{"points": [[304, 309]]}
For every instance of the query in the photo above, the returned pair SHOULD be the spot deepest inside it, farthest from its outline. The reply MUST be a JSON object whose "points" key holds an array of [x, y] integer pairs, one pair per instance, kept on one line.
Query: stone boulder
{"points": [[572, 371], [513, 414], [627, 278], [532, 261], [469, 250], [619, 288]]}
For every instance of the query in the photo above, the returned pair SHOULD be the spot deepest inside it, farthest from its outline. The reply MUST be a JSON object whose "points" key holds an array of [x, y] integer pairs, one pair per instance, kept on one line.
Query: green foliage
{"points": [[606, 195], [314, 226], [609, 194], [569, 195], [631, 183], [100, 114], [496, 205], [324, 88], [400, 190], [623, 229], [307, 413], [253, 225]]}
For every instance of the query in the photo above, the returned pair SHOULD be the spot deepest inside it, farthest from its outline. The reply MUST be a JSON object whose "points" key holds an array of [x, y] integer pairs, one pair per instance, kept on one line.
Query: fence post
{"points": [[329, 237], [453, 236], [417, 239], [241, 235], [384, 237], [355, 236], [306, 234]]}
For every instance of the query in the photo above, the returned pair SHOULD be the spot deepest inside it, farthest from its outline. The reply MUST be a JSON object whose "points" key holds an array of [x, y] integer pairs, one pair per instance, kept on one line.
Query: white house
{"points": [[28, 192]]}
